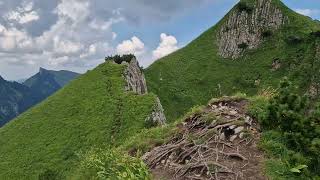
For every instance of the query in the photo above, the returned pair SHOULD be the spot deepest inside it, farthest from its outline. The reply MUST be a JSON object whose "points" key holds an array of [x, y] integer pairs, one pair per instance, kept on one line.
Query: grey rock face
{"points": [[276, 65], [136, 81], [246, 28], [157, 116]]}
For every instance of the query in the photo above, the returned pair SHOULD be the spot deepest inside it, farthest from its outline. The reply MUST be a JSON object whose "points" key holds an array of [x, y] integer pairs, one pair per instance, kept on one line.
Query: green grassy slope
{"points": [[196, 73], [92, 111]]}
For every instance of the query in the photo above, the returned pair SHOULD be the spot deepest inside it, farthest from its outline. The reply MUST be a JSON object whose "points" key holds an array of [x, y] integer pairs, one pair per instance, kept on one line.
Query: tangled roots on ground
{"points": [[217, 143]]}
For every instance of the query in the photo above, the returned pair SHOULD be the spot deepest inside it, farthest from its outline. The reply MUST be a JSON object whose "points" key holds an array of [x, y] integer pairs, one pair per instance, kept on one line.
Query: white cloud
{"points": [[308, 12], [12, 38], [66, 47], [133, 46], [24, 14], [74, 9], [168, 44]]}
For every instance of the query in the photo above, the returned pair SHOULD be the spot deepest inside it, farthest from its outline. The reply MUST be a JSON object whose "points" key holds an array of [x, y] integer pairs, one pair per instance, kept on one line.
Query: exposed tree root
{"points": [[208, 148]]}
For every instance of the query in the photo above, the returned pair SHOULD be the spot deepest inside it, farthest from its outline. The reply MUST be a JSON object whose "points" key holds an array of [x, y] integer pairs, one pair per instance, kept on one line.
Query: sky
{"points": [[76, 35]]}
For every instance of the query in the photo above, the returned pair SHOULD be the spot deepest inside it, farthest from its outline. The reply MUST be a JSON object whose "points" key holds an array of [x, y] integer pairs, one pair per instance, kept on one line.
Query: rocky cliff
{"points": [[246, 26], [136, 82]]}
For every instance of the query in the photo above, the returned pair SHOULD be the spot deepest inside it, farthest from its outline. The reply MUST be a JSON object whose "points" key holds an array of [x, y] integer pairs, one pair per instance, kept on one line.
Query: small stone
{"points": [[248, 120], [241, 135], [170, 157], [222, 136], [238, 129], [233, 112], [163, 161], [233, 138], [214, 107], [232, 127]]}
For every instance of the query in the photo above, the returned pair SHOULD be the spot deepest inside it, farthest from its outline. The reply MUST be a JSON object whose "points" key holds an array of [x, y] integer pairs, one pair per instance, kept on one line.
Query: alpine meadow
{"points": [[239, 102]]}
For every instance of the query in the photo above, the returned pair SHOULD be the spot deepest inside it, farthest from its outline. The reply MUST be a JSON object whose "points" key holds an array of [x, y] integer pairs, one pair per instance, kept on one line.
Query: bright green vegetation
{"points": [[111, 164], [291, 132], [93, 111], [196, 73]]}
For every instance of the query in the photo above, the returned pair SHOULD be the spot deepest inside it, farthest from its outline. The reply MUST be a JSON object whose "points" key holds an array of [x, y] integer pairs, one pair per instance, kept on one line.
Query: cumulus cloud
{"points": [[76, 34], [168, 44], [134, 46], [23, 14], [308, 12]]}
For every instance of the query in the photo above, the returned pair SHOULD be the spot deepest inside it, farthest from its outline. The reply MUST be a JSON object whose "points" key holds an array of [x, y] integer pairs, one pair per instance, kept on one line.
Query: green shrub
{"points": [[316, 33], [267, 33], [291, 115], [243, 45], [245, 6], [119, 59], [293, 40], [50, 175], [111, 164]]}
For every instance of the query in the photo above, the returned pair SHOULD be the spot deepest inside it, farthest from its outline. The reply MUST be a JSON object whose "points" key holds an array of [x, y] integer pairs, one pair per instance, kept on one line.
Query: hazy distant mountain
{"points": [[12, 100], [46, 82], [15, 98]]}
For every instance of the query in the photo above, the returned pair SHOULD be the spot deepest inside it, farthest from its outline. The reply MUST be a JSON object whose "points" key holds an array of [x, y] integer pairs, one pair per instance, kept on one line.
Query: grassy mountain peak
{"points": [[93, 111], [278, 43]]}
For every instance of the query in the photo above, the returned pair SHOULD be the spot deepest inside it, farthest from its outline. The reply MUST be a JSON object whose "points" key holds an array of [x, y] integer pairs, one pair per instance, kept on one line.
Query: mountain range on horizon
{"points": [[119, 121], [18, 97]]}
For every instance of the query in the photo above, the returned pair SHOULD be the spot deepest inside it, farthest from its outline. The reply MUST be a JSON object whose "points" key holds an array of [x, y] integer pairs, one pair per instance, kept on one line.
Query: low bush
{"points": [[245, 6], [293, 40], [243, 45], [119, 59], [292, 117], [111, 164], [267, 33]]}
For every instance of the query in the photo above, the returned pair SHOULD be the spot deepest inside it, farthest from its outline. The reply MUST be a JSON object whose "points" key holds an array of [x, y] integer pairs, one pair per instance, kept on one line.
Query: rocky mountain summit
{"points": [[246, 26], [136, 81]]}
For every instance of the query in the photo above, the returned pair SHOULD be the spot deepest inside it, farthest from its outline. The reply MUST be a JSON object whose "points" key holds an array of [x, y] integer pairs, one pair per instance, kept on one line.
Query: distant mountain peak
{"points": [[1, 79], [43, 70]]}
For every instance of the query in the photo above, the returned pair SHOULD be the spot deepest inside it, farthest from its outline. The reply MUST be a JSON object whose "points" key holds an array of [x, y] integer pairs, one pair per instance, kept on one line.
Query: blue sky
{"points": [[77, 34]]}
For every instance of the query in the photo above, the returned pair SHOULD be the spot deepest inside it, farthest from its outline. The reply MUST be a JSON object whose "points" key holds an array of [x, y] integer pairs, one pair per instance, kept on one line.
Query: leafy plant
{"points": [[119, 59], [245, 6], [243, 45], [111, 164], [289, 114], [298, 169], [267, 33]]}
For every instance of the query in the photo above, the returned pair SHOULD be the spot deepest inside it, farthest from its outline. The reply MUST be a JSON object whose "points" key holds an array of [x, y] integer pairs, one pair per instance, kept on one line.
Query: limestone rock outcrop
{"points": [[136, 81], [157, 116], [245, 28]]}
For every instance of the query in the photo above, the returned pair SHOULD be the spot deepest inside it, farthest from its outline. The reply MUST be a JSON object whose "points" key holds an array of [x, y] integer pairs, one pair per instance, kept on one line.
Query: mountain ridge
{"points": [[196, 72], [95, 110], [27, 94]]}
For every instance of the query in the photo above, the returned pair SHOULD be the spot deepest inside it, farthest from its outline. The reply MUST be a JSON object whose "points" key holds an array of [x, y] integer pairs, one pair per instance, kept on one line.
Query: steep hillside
{"points": [[93, 111], [250, 49], [17, 98]]}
